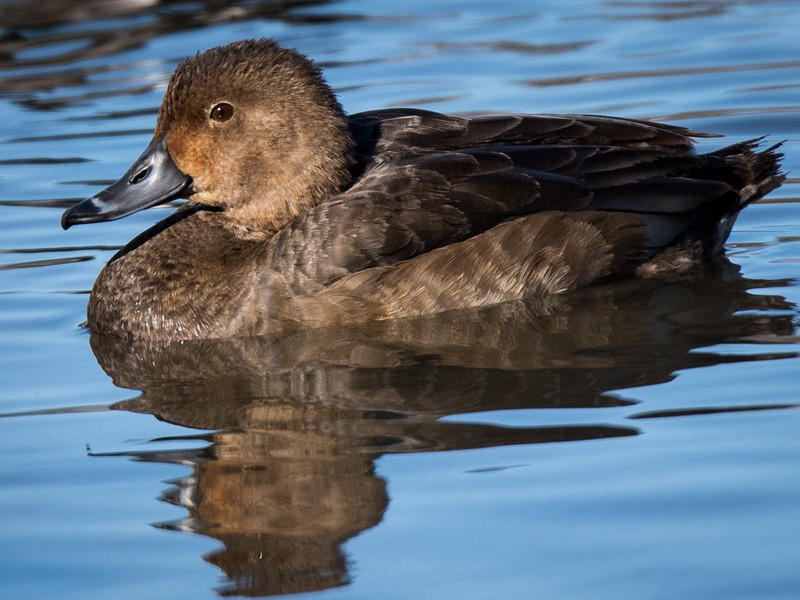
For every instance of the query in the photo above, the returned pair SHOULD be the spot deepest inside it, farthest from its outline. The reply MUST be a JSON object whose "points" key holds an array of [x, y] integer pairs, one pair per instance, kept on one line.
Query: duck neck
{"points": [[313, 166]]}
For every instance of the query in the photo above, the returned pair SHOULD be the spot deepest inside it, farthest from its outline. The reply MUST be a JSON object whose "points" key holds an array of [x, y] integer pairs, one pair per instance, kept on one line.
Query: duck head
{"points": [[249, 129]]}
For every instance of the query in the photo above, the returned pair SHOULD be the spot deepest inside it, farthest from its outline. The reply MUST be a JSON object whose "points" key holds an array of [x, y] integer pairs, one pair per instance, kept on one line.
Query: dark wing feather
{"points": [[412, 205], [426, 180], [425, 129]]}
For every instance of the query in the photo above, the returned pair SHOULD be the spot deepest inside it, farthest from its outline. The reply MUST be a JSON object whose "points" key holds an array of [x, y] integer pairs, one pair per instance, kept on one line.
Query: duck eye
{"points": [[221, 112]]}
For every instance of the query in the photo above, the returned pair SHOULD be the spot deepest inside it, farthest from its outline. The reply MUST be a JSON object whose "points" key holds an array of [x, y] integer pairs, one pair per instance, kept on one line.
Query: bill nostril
{"points": [[139, 176]]}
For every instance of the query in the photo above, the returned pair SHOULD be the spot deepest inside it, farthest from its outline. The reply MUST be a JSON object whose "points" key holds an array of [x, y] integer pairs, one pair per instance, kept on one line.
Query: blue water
{"points": [[642, 445]]}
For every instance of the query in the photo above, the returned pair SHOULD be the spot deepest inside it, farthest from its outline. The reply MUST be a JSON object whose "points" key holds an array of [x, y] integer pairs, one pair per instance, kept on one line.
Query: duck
{"points": [[297, 214]]}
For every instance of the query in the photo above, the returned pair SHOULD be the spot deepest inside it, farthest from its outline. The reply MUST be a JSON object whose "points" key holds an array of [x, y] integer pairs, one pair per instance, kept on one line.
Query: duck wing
{"points": [[380, 130], [533, 256], [426, 181], [405, 207]]}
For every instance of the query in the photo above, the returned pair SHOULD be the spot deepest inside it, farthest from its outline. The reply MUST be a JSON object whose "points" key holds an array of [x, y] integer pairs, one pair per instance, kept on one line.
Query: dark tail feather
{"points": [[758, 173], [755, 173], [750, 174]]}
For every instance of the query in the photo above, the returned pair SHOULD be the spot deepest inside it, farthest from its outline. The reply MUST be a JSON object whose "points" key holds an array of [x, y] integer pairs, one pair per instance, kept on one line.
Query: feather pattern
{"points": [[412, 196]]}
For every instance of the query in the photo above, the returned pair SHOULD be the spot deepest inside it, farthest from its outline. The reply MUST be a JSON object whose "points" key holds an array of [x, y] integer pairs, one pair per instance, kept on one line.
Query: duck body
{"points": [[299, 215]]}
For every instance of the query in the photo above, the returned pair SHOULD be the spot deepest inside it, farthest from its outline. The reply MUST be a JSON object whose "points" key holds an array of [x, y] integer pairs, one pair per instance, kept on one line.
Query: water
{"points": [[642, 442]]}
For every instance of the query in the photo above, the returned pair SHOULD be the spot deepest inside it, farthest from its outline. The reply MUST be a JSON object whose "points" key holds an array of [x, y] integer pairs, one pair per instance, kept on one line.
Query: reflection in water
{"points": [[299, 421], [649, 73], [30, 14], [123, 26]]}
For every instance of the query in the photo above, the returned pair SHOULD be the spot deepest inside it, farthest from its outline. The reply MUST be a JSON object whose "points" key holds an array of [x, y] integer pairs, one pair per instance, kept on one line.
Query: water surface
{"points": [[637, 440]]}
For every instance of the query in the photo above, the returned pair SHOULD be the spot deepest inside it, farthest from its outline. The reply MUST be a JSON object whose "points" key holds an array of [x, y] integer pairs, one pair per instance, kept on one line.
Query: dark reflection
{"points": [[670, 10], [516, 47], [30, 37], [594, 77], [711, 411], [288, 473], [34, 14]]}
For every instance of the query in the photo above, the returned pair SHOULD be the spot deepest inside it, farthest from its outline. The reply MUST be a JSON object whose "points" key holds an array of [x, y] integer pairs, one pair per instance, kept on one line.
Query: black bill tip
{"points": [[153, 179], [83, 212]]}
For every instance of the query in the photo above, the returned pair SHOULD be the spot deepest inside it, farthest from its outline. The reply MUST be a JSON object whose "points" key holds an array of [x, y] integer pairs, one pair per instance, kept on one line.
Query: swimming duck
{"points": [[299, 214]]}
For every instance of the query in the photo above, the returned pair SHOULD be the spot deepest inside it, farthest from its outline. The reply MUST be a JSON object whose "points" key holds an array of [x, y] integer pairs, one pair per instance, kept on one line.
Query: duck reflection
{"points": [[297, 422]]}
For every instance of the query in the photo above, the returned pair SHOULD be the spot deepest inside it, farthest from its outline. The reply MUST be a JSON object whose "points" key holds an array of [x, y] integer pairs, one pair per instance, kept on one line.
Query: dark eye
{"points": [[222, 112]]}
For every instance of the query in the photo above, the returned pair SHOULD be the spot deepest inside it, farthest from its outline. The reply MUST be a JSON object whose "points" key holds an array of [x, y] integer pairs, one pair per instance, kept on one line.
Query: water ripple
{"points": [[46, 263], [676, 72]]}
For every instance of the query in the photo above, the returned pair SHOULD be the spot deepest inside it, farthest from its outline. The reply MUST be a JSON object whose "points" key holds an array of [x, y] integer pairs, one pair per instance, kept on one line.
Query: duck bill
{"points": [[153, 179]]}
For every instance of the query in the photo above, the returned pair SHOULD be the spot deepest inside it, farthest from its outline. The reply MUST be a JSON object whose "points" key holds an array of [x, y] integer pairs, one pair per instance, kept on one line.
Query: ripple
{"points": [[103, 28], [671, 10], [516, 47], [63, 101], [46, 263], [44, 161], [427, 100], [727, 112], [49, 80], [67, 410], [59, 249], [80, 136], [715, 410], [678, 72], [117, 114], [45, 203]]}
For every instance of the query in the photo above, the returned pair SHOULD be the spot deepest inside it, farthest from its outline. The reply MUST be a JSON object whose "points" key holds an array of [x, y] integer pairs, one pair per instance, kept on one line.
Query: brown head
{"points": [[251, 129]]}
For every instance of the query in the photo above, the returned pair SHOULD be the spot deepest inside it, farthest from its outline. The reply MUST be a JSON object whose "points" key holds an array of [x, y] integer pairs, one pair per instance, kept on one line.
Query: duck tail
{"points": [[749, 173], [752, 172]]}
